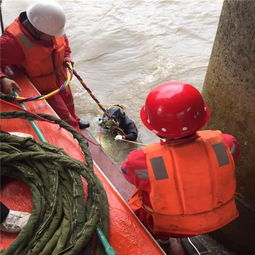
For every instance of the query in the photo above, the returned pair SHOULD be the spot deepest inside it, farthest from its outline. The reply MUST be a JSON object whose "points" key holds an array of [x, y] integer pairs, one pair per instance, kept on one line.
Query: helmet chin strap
{"points": [[32, 30], [179, 139], [38, 35]]}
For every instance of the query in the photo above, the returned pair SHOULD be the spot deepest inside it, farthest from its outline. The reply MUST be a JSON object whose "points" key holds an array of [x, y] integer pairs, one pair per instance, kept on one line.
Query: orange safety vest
{"points": [[43, 65], [192, 185]]}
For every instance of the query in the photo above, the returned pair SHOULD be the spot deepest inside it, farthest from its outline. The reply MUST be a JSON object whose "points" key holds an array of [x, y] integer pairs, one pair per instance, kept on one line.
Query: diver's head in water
{"points": [[116, 113]]}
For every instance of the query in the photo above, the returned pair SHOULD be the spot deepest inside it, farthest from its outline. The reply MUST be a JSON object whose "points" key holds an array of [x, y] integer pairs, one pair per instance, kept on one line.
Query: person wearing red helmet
{"points": [[186, 182]]}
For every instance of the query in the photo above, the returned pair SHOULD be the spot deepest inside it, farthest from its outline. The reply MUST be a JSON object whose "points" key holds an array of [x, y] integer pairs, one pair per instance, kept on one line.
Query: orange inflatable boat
{"points": [[127, 235]]}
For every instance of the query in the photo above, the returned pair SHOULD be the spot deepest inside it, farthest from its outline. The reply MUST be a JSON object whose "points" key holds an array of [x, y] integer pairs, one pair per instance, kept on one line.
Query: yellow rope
{"points": [[67, 82]]}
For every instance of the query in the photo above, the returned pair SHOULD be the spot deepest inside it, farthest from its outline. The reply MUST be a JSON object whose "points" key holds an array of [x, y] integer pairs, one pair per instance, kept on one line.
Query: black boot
{"points": [[83, 124]]}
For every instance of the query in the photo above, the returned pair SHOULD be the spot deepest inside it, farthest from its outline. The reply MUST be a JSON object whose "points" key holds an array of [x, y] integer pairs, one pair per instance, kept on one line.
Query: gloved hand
{"points": [[118, 137], [68, 60], [21, 134]]}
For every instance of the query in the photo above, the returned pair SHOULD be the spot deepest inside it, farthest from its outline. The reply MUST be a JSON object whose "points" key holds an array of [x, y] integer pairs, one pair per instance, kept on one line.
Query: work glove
{"points": [[118, 137], [21, 134], [66, 60]]}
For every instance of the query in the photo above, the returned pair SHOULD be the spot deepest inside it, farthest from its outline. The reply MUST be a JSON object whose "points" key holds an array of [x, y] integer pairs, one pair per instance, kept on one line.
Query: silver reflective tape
{"points": [[221, 154], [233, 149], [142, 174], [26, 41], [159, 169]]}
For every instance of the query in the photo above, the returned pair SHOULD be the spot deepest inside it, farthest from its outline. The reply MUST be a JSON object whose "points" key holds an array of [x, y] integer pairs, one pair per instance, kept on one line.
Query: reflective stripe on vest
{"points": [[221, 154], [142, 174], [159, 169], [27, 43]]}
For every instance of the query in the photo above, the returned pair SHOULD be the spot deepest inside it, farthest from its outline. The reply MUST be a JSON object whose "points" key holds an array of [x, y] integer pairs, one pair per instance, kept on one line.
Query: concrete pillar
{"points": [[229, 90]]}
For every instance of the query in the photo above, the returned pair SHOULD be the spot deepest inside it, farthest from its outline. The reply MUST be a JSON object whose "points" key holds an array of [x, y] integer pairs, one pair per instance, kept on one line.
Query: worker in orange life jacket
{"points": [[186, 182], [35, 42]]}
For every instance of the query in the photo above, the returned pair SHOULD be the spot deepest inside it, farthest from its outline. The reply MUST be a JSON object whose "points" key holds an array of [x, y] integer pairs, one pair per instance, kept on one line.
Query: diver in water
{"points": [[122, 122]]}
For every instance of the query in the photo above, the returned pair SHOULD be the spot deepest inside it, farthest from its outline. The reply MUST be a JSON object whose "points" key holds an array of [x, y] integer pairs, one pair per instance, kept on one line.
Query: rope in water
{"points": [[69, 73], [97, 101], [62, 222]]}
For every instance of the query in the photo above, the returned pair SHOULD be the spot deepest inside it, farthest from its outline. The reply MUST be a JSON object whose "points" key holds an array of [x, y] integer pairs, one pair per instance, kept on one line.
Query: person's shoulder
{"points": [[9, 46], [136, 154], [230, 140], [135, 160]]}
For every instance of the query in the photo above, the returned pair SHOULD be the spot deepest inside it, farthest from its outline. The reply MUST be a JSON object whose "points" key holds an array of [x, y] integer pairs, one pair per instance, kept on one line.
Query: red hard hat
{"points": [[174, 110]]}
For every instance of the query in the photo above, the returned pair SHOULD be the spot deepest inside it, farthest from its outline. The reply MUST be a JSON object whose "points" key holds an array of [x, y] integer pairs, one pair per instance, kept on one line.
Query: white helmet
{"points": [[47, 17]]}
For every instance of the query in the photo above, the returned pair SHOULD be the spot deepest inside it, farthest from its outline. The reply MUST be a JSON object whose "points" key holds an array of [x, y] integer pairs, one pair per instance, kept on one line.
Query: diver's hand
{"points": [[7, 85], [118, 137]]}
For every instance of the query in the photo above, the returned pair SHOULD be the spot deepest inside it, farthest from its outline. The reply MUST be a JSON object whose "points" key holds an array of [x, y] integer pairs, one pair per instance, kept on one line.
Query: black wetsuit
{"points": [[129, 128], [4, 211], [124, 122]]}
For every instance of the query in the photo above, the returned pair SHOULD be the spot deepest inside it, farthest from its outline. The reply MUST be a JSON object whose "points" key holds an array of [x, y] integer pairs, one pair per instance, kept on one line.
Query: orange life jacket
{"points": [[43, 65], [192, 185]]}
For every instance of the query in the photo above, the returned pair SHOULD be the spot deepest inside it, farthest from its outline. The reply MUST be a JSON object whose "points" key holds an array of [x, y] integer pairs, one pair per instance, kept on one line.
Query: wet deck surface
{"points": [[110, 168]]}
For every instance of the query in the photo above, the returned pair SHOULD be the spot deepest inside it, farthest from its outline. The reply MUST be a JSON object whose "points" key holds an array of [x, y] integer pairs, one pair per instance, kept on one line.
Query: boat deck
{"points": [[109, 167]]}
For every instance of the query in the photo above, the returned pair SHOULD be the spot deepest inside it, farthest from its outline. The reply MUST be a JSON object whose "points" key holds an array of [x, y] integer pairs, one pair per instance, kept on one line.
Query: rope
{"points": [[54, 92], [61, 221], [6, 97], [128, 141], [70, 72], [22, 109], [19, 99], [194, 247], [96, 100], [39, 117]]}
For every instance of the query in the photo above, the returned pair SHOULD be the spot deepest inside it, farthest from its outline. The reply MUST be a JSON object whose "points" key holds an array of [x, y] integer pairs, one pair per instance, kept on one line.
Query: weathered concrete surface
{"points": [[229, 86], [229, 89]]}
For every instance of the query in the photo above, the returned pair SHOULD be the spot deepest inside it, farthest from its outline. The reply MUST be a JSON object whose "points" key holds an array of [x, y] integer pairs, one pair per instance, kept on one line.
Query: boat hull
{"points": [[126, 233]]}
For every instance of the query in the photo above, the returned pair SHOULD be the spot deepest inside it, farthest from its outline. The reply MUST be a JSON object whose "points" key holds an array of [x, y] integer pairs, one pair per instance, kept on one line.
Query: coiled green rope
{"points": [[9, 98], [61, 221]]}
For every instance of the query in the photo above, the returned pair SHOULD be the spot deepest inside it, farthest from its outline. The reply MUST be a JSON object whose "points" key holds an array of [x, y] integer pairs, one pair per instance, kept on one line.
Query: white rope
{"points": [[195, 248], [128, 141]]}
